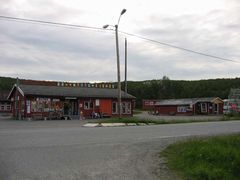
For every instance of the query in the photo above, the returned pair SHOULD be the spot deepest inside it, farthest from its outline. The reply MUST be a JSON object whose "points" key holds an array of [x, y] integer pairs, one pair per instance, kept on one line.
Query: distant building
{"points": [[232, 104], [53, 100], [148, 104], [5, 104], [189, 106]]}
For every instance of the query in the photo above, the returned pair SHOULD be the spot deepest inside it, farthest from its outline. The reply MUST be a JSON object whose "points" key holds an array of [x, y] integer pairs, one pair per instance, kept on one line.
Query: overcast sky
{"points": [[47, 52]]}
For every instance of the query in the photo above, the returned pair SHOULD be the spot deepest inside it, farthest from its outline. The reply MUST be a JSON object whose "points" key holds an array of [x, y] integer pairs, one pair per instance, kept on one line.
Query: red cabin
{"points": [[189, 106]]}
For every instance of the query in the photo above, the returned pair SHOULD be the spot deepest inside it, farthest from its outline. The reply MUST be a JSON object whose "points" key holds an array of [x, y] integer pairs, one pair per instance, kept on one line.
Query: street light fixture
{"points": [[118, 64], [105, 26]]}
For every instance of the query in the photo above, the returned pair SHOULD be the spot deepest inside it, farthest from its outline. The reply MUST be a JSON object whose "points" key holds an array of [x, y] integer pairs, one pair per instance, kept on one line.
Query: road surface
{"points": [[60, 150]]}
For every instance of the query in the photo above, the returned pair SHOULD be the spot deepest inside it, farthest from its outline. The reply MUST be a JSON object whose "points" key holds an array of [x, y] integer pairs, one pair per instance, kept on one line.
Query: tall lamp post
{"points": [[118, 64]]}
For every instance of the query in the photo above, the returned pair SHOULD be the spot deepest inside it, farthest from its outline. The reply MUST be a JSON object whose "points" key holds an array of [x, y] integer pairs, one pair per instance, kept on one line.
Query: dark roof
{"points": [[4, 95], [72, 91], [186, 101]]}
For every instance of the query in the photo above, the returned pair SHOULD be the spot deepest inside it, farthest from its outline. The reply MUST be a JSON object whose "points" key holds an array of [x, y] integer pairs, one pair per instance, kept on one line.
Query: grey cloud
{"points": [[76, 41], [188, 32], [39, 10], [37, 54], [45, 52]]}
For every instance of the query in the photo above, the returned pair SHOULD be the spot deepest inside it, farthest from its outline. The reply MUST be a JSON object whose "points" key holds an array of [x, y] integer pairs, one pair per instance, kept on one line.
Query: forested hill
{"points": [[6, 83], [165, 88]]}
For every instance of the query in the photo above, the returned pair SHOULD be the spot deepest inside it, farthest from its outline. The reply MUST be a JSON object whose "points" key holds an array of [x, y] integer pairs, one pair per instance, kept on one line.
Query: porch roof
{"points": [[40, 90]]}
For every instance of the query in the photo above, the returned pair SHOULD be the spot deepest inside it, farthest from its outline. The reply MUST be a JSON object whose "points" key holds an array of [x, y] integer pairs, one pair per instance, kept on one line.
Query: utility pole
{"points": [[118, 75], [125, 65], [118, 64], [16, 100]]}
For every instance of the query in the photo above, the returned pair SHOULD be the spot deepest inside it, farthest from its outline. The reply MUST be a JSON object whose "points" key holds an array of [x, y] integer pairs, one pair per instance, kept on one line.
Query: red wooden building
{"points": [[189, 106], [54, 101]]}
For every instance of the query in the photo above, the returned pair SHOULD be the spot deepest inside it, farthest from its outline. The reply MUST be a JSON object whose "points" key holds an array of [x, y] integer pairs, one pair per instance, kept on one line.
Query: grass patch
{"points": [[127, 120], [139, 121], [206, 158], [137, 111], [231, 117], [150, 121]]}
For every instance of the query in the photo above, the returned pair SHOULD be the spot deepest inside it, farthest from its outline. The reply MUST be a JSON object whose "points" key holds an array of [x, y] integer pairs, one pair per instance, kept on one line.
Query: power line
{"points": [[129, 34], [178, 47], [50, 23]]}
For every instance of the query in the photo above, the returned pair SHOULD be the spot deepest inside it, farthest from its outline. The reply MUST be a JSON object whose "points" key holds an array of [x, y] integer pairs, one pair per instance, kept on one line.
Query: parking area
{"points": [[146, 115]]}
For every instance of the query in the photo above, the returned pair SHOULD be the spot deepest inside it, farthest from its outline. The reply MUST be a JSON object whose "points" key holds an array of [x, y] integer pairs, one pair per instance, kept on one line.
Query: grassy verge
{"points": [[206, 158], [127, 120], [232, 117], [137, 111], [139, 121], [150, 121]]}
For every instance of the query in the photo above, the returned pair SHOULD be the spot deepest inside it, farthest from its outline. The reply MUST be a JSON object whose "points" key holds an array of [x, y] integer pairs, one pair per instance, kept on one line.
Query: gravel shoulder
{"points": [[146, 115]]}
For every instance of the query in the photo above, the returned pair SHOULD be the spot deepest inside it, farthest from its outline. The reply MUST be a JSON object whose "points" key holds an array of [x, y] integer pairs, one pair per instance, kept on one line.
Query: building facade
{"points": [[189, 106], [56, 102]]}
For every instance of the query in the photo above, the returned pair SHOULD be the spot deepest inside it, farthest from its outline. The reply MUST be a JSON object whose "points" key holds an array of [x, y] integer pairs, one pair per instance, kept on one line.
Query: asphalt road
{"points": [[60, 150]]}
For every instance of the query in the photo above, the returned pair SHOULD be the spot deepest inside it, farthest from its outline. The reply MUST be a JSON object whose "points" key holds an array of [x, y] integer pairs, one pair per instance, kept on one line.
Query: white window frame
{"points": [[8, 107], [206, 108], [88, 105], [2, 107], [127, 106], [97, 102], [182, 109]]}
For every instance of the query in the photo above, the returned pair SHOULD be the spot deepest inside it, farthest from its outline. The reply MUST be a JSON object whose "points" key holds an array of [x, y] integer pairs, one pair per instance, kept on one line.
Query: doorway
{"points": [[215, 106], [70, 107]]}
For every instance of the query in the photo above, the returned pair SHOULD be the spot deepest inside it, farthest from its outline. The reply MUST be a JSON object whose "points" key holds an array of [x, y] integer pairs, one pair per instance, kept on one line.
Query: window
{"points": [[97, 102], [126, 108], [2, 107], [8, 107], [203, 107], [5, 107], [114, 108], [40, 105], [34, 106], [57, 105], [88, 105], [182, 109]]}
